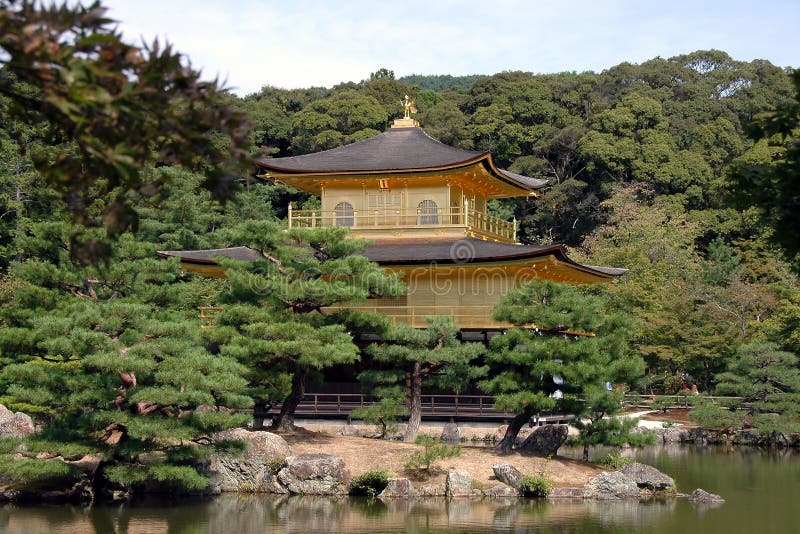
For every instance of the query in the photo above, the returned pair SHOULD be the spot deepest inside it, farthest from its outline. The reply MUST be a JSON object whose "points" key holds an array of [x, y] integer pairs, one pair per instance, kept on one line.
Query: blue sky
{"points": [[303, 43]]}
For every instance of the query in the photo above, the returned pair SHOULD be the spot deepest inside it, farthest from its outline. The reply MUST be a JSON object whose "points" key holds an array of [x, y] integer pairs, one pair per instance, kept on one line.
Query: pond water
{"points": [[762, 489]]}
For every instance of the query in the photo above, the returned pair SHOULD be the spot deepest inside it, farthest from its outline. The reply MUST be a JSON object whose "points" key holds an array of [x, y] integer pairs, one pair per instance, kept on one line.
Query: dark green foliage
{"points": [[281, 317], [566, 340], [600, 429], [535, 486], [766, 177], [368, 484], [432, 450], [66, 67], [716, 416], [614, 460], [433, 357], [384, 412], [440, 82], [768, 382]]}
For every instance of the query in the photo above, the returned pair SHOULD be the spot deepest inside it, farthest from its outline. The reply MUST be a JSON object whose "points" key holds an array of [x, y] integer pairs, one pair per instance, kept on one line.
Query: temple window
{"points": [[343, 214], [428, 212]]}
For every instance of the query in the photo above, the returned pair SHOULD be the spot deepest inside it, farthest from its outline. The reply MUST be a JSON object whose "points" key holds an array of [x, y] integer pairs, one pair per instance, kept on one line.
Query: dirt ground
{"points": [[366, 454], [675, 415]]}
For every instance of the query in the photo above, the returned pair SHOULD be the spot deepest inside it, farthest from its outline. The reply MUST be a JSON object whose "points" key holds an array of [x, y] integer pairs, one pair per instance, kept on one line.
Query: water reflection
{"points": [[316, 514], [762, 489]]}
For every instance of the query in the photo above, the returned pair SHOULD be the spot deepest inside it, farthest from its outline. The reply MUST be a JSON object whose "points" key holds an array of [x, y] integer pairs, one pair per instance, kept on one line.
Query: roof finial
{"points": [[408, 109]]}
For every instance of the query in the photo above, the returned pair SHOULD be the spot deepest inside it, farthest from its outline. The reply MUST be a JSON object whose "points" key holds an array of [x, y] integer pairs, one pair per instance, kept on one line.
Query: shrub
{"points": [[432, 451], [537, 486], [368, 484], [382, 414], [614, 460]]}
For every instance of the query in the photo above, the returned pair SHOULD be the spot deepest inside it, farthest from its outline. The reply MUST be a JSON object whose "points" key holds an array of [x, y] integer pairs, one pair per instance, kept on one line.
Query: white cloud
{"points": [[313, 42]]}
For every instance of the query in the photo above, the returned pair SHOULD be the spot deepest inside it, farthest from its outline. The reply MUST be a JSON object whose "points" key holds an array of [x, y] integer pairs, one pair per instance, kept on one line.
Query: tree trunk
{"points": [[415, 410], [585, 452], [285, 420], [507, 443], [259, 413]]}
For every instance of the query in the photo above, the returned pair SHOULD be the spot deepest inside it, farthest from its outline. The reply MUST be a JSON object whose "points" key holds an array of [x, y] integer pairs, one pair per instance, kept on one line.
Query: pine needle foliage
{"points": [[282, 317], [564, 340]]}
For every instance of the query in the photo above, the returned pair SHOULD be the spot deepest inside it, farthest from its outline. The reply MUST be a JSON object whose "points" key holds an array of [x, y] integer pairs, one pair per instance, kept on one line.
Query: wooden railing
{"points": [[474, 221], [415, 316], [333, 404]]}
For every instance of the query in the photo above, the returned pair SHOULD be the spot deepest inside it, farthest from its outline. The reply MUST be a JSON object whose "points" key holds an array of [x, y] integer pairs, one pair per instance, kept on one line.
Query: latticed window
{"points": [[428, 212], [384, 200], [343, 214]]}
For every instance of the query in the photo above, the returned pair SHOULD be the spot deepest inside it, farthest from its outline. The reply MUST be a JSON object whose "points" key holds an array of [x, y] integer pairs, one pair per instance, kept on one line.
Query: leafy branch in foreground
{"points": [[113, 108]]}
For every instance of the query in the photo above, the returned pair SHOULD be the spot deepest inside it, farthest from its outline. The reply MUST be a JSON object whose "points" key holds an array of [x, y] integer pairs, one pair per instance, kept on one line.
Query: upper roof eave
{"points": [[388, 152]]}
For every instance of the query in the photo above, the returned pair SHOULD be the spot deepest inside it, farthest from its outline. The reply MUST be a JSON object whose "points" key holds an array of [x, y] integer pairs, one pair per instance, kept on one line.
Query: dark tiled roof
{"points": [[207, 256], [397, 149], [411, 252], [465, 250]]}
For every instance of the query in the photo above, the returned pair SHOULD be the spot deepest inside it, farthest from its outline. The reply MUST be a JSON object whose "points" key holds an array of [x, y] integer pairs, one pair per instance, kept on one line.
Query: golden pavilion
{"points": [[423, 206]]}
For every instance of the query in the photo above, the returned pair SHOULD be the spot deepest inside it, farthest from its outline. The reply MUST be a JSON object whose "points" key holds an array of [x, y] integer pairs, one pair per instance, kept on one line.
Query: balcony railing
{"points": [[474, 221], [415, 316]]}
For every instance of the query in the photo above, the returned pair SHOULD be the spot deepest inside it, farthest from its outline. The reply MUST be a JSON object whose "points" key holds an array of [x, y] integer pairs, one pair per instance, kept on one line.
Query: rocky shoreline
{"points": [[268, 466], [702, 436]]}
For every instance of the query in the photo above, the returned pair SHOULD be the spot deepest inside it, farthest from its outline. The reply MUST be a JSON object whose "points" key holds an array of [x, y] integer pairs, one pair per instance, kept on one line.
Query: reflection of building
{"points": [[424, 206]]}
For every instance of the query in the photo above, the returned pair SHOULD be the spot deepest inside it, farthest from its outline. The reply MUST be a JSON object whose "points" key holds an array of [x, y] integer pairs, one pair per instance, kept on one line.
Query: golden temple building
{"points": [[423, 206]]}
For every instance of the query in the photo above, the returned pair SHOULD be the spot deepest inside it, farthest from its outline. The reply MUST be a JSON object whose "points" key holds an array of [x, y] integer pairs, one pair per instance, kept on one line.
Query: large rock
{"points": [[458, 484], [545, 440], [674, 435], [399, 488], [501, 491], [648, 477], [507, 474], [255, 470], [610, 486], [15, 424], [702, 496], [315, 474], [451, 434], [747, 437]]}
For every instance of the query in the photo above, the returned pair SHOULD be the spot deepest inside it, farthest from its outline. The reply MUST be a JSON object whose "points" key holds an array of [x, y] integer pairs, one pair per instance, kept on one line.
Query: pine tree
{"points": [[110, 360], [285, 316], [433, 357], [564, 340], [768, 379]]}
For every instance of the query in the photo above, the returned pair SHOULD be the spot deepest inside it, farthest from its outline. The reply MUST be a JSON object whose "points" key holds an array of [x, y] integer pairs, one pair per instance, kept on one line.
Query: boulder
{"points": [[15, 424], [507, 474], [458, 484], [314, 474], [501, 491], [747, 437], [702, 496], [648, 477], [610, 486], [255, 470], [545, 440], [451, 434], [432, 490], [566, 493], [399, 488], [348, 430], [674, 435]]}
